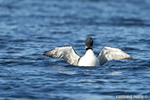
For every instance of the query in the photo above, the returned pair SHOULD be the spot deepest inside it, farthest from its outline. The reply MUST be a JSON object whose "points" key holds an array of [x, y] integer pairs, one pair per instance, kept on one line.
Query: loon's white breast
{"points": [[89, 59]]}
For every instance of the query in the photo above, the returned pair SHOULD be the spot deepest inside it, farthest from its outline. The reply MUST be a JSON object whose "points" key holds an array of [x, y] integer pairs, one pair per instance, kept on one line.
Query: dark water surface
{"points": [[28, 28]]}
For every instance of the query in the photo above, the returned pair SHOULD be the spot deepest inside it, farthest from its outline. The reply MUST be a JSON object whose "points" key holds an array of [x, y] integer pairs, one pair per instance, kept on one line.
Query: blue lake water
{"points": [[28, 28]]}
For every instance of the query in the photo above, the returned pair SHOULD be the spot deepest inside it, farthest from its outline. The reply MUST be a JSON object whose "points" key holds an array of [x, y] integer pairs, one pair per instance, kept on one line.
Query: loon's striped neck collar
{"points": [[88, 49]]}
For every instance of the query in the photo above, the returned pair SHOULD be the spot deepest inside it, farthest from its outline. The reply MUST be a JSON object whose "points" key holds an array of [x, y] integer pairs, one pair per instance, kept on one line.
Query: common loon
{"points": [[89, 59]]}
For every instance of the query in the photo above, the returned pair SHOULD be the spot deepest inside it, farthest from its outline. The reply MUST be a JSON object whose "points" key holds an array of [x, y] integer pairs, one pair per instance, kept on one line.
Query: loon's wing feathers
{"points": [[67, 53], [109, 53]]}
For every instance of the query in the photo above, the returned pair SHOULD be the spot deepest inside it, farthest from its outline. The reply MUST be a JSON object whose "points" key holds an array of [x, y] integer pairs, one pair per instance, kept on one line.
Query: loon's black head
{"points": [[88, 43]]}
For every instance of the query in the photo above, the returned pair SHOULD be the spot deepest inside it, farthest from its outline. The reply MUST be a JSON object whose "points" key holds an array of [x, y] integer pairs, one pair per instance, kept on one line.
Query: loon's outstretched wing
{"points": [[109, 53], [67, 53]]}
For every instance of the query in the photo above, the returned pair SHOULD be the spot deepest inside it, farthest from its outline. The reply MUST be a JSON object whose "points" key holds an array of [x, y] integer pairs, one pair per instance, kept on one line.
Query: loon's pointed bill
{"points": [[89, 59]]}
